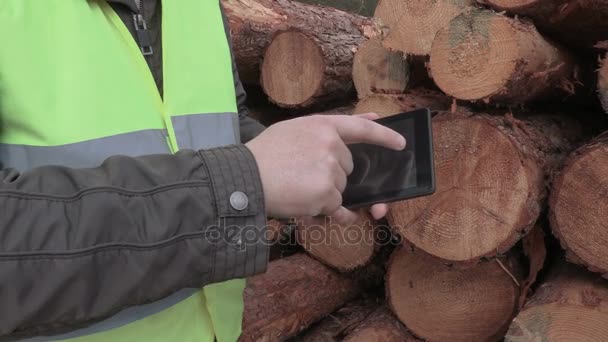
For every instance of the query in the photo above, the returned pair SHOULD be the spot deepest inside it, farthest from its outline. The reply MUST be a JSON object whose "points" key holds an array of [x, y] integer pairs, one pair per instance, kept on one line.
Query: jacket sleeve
{"points": [[79, 245], [249, 127]]}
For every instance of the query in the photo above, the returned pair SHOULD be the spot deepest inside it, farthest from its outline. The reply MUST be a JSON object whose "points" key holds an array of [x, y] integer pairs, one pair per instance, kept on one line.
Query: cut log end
{"points": [[293, 69], [379, 70], [578, 206], [569, 306], [441, 303], [510, 5], [380, 326], [344, 248], [467, 62], [412, 24], [471, 214], [484, 55], [603, 83]]}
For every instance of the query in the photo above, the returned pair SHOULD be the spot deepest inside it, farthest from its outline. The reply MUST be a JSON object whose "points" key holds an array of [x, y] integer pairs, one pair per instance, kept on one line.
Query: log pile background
{"points": [[513, 245]]}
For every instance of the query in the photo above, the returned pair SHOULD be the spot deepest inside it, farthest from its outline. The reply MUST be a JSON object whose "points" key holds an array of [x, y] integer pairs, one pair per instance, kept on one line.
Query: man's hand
{"points": [[304, 163]]}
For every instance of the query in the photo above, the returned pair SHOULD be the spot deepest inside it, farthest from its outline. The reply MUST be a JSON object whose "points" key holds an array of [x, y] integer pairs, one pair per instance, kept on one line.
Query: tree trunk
{"points": [[253, 24], [491, 175], [602, 85], [380, 326], [439, 302], [376, 69], [344, 248], [411, 25], [394, 104], [297, 291], [311, 61], [362, 7], [358, 321], [487, 56], [578, 206], [572, 305], [579, 23]]}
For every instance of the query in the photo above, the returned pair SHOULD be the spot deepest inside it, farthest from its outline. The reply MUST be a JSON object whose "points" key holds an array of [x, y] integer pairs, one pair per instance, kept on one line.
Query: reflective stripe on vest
{"points": [[75, 89]]}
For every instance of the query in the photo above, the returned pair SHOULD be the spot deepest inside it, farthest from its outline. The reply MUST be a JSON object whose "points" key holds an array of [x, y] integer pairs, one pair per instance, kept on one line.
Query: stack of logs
{"points": [[520, 164]]}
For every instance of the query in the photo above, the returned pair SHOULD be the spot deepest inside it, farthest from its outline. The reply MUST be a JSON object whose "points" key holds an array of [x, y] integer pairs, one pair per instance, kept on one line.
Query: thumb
{"points": [[368, 116]]}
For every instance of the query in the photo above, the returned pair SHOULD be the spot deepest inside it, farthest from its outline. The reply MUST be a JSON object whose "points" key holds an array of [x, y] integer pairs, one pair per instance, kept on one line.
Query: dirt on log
{"points": [[253, 24], [483, 55], [311, 61], [394, 104], [491, 174], [439, 302], [579, 23], [410, 26], [571, 305], [342, 247], [578, 206], [602, 84], [376, 69], [296, 291]]}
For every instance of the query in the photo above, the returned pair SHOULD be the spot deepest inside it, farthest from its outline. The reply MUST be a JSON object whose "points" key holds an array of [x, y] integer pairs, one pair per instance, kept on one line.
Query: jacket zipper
{"points": [[141, 29]]}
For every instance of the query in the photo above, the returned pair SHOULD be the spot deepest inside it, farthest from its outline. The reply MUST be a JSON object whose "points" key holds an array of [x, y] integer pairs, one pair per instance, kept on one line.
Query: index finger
{"points": [[354, 130]]}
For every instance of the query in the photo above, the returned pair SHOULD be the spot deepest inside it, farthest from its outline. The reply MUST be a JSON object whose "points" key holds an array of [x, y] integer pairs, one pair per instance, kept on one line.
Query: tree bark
{"points": [[394, 104], [491, 175], [376, 69], [297, 291], [344, 248], [580, 23], [380, 326], [439, 302], [487, 56], [602, 85], [578, 206], [253, 24], [572, 305], [410, 26]]}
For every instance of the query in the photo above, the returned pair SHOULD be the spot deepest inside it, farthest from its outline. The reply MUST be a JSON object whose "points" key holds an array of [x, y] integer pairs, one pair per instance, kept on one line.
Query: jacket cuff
{"points": [[241, 246]]}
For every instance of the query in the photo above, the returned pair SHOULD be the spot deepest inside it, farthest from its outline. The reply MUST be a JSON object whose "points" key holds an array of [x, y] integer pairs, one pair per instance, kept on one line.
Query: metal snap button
{"points": [[238, 200]]}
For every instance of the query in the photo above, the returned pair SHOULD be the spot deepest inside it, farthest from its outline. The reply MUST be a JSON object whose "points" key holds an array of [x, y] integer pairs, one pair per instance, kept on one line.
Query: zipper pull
{"points": [[143, 35]]}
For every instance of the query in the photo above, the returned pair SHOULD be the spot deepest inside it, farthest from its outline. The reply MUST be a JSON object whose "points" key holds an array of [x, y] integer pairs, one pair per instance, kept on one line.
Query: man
{"points": [[98, 243]]}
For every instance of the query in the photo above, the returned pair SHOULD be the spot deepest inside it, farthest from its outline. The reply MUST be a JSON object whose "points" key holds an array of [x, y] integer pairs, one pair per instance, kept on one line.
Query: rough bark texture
{"points": [[340, 323], [439, 302], [491, 175], [572, 305], [253, 24], [394, 104], [578, 206], [380, 326], [311, 61], [341, 247], [483, 55], [376, 69], [297, 291], [363, 7], [602, 84], [410, 26], [576, 22]]}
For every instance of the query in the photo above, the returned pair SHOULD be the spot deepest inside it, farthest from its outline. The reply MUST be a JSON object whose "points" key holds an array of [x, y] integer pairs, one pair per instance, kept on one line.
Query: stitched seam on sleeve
{"points": [[102, 248], [97, 190]]}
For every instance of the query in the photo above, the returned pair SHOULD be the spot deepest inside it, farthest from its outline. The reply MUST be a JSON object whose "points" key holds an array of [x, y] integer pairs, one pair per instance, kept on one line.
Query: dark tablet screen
{"points": [[384, 175]]}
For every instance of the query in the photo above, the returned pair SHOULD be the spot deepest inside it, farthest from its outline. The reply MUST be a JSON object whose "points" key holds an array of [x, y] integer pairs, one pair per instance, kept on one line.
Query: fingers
{"points": [[345, 158], [345, 217], [379, 211], [359, 130]]}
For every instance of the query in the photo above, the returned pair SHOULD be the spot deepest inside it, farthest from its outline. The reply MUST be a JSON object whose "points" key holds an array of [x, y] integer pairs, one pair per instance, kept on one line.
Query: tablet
{"points": [[381, 175]]}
